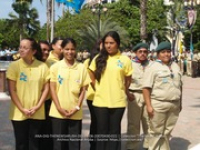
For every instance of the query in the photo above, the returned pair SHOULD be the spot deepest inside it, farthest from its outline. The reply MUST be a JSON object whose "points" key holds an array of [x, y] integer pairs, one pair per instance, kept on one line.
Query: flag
{"points": [[192, 16], [74, 4]]}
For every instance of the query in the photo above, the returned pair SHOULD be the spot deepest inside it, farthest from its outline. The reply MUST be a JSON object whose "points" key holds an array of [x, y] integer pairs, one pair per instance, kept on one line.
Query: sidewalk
{"points": [[184, 137]]}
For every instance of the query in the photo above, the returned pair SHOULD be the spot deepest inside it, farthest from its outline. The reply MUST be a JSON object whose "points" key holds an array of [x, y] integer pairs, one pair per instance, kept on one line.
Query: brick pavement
{"points": [[185, 135]]}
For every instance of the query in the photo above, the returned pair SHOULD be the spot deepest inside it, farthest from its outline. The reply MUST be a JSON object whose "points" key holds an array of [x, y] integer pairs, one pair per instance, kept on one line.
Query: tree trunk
{"points": [[48, 7], [143, 20], [21, 34]]}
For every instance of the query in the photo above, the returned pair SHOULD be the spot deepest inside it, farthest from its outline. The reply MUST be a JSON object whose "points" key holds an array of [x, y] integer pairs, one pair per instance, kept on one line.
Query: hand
{"points": [[131, 96], [150, 111], [26, 112], [72, 112], [63, 112], [33, 110]]}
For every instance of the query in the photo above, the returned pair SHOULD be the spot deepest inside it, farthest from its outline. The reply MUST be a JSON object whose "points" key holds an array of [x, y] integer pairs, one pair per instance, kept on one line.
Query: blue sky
{"points": [[5, 8]]}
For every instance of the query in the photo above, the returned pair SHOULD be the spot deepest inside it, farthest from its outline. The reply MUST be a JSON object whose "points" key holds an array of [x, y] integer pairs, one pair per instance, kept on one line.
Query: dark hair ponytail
{"points": [[101, 60], [101, 63]]}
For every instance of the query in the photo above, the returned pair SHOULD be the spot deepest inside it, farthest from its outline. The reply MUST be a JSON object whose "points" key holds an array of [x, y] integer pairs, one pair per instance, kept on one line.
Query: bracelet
{"points": [[77, 107]]}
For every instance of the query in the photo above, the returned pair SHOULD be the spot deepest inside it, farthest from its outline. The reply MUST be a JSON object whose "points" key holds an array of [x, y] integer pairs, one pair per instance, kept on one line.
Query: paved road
{"points": [[185, 136]]}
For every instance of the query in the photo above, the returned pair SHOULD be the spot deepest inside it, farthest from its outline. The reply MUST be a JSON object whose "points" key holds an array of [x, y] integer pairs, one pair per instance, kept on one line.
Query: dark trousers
{"points": [[66, 134], [47, 142], [27, 134], [108, 128], [93, 126]]}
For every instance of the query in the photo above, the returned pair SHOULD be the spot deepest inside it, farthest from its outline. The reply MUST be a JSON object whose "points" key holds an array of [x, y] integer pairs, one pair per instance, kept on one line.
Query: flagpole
{"points": [[52, 18]]}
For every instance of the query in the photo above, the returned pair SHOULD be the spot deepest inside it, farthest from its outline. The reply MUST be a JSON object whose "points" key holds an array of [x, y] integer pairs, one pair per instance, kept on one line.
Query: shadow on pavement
{"points": [[177, 143]]}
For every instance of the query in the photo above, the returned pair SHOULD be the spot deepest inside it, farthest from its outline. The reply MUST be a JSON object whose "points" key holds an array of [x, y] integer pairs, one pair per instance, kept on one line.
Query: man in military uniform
{"points": [[162, 91], [195, 64], [136, 108]]}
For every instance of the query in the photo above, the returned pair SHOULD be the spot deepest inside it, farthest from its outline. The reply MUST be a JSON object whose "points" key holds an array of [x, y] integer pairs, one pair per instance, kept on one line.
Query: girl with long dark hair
{"points": [[111, 76]]}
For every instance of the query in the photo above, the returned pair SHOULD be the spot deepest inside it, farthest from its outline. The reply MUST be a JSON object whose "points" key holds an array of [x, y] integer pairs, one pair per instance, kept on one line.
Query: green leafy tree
{"points": [[8, 33], [156, 19], [90, 34], [127, 16], [68, 25], [25, 19]]}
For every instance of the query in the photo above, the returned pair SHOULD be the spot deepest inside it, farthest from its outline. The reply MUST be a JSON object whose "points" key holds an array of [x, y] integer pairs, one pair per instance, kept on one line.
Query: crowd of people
{"points": [[7, 54], [49, 83]]}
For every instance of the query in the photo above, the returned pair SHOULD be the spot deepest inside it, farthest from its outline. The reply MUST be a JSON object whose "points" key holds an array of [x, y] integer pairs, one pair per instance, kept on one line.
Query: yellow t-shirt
{"points": [[110, 92], [30, 80], [90, 91], [51, 59], [165, 85], [69, 81]]}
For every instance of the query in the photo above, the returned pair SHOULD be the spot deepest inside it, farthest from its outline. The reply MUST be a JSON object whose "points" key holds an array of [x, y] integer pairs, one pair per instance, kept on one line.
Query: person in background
{"points": [[136, 109], [133, 55], [46, 141], [45, 47], [28, 82], [79, 56], [189, 63], [90, 97], [195, 68], [2, 54], [85, 55], [162, 91], [111, 76], [56, 54], [8, 54], [68, 83]]}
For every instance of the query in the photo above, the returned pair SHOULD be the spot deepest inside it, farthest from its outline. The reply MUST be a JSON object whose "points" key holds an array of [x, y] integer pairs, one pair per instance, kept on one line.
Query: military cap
{"points": [[163, 45], [140, 45]]}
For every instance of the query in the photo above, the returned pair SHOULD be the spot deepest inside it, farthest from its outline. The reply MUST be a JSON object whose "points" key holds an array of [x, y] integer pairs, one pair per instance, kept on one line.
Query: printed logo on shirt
{"points": [[120, 64], [164, 80], [60, 79], [23, 77]]}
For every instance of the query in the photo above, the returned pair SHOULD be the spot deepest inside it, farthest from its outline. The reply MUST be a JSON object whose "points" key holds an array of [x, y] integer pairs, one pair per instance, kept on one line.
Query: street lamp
{"points": [[192, 14], [98, 9]]}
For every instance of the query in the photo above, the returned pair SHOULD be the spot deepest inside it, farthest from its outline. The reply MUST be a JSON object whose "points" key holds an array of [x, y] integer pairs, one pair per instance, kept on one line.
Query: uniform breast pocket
{"points": [[163, 81], [137, 80]]}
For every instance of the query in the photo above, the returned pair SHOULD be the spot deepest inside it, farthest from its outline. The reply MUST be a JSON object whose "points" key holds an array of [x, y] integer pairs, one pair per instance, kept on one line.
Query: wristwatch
{"points": [[77, 108]]}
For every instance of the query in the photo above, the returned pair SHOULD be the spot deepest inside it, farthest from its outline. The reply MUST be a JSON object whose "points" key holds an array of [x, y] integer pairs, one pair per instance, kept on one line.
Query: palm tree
{"points": [[143, 20], [30, 1], [90, 34], [143, 17], [26, 18]]}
